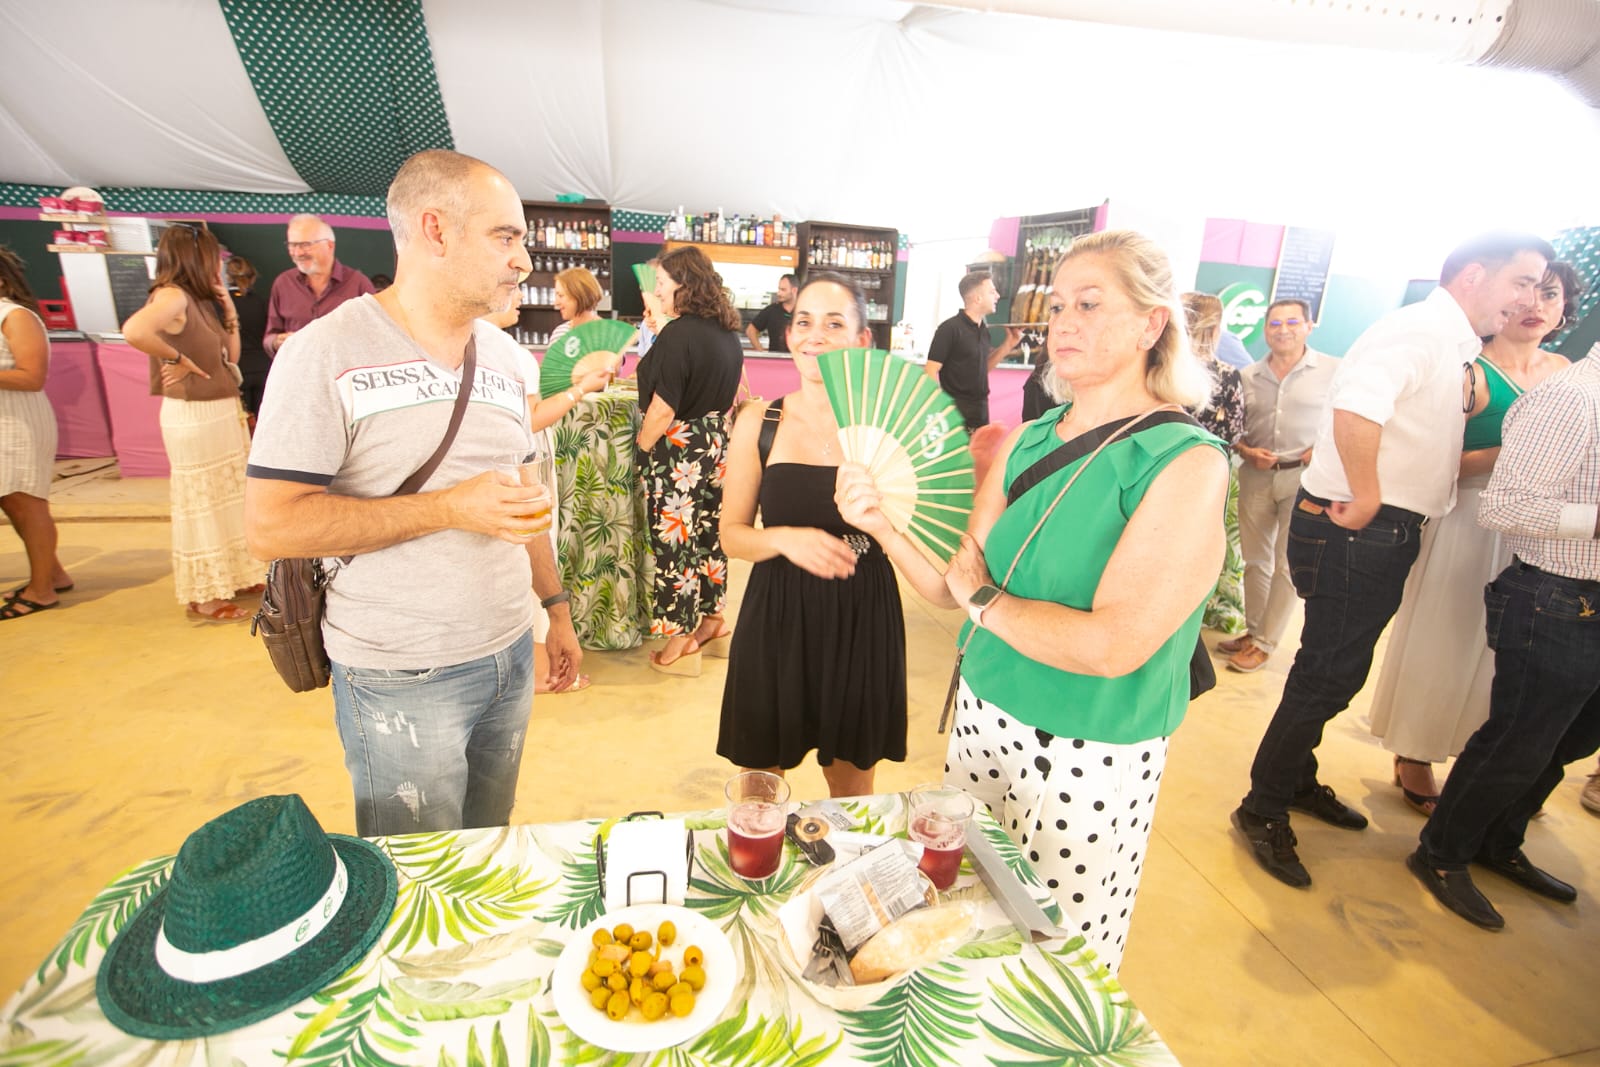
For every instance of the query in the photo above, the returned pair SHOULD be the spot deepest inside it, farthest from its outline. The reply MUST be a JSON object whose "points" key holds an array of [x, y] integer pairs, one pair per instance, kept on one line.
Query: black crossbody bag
{"points": [[290, 618]]}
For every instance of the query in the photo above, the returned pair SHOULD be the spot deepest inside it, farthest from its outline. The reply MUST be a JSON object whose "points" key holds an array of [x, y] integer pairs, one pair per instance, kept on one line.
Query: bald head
{"points": [[437, 180]]}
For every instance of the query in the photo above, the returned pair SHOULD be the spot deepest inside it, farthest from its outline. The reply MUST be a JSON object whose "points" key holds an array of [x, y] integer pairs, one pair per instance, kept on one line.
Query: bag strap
{"points": [[1082, 445], [769, 430], [469, 371], [419, 477]]}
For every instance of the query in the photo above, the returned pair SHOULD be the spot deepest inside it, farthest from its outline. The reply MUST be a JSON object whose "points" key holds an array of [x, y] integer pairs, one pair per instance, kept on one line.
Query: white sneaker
{"points": [[1590, 797]]}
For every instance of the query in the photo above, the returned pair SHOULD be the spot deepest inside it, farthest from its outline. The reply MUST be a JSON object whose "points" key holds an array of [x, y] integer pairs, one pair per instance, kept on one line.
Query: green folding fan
{"points": [[581, 350], [895, 421], [647, 277]]}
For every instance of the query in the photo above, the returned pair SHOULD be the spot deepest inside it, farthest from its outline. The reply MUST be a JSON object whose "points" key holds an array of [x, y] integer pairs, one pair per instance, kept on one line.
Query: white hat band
{"points": [[258, 952]]}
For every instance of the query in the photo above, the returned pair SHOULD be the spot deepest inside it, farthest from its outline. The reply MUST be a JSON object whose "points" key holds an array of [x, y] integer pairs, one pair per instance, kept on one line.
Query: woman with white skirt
{"points": [[27, 444], [190, 331], [1433, 691]]}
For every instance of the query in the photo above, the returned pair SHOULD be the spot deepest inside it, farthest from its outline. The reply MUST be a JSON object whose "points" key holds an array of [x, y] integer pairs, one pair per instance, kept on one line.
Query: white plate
{"points": [[634, 1034]]}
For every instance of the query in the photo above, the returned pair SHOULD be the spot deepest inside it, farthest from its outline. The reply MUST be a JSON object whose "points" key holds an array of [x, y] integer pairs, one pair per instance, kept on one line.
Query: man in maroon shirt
{"points": [[314, 286]]}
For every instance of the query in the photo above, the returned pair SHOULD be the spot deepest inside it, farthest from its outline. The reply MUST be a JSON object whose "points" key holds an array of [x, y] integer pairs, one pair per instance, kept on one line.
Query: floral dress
{"points": [[1224, 416]]}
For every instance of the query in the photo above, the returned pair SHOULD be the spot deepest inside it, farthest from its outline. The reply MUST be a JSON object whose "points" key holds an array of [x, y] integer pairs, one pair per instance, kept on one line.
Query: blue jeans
{"points": [[1351, 581], [437, 748], [1544, 712]]}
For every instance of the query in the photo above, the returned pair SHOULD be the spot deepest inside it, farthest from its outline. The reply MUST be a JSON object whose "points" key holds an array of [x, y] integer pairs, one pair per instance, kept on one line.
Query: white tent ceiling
{"points": [[933, 118]]}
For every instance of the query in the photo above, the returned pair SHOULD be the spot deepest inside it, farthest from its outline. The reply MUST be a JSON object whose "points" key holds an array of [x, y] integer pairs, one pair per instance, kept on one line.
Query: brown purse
{"points": [[292, 604]]}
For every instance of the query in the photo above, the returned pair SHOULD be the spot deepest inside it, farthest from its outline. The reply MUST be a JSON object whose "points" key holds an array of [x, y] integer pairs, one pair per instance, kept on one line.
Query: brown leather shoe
{"points": [[1234, 644], [1248, 660]]}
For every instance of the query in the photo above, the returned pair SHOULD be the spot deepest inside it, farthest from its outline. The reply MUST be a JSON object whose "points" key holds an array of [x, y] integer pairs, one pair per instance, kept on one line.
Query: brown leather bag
{"points": [[290, 618]]}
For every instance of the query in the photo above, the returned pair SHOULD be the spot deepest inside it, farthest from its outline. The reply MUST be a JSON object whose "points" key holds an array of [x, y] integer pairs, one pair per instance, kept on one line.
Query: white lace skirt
{"points": [[207, 443]]}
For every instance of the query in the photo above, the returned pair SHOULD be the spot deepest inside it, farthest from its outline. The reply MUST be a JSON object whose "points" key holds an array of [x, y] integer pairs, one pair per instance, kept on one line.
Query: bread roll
{"points": [[916, 938]]}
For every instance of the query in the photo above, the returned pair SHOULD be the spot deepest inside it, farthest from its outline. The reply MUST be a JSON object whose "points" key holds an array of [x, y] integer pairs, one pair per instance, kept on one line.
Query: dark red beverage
{"points": [[942, 842], [755, 839]]}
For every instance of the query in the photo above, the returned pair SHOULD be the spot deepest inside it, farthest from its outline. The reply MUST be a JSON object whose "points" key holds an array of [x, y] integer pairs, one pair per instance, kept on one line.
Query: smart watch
{"points": [[980, 600]]}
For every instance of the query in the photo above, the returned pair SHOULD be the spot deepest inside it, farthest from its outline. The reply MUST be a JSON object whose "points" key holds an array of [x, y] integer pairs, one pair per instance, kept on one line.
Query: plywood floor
{"points": [[126, 725]]}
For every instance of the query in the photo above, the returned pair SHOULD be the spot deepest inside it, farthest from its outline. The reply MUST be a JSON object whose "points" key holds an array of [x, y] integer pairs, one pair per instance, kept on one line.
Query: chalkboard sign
{"points": [[130, 282], [1303, 262]]}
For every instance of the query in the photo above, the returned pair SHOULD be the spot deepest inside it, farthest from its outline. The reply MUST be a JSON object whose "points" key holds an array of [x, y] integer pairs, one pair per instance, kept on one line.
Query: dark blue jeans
{"points": [[1351, 581], [1544, 712]]}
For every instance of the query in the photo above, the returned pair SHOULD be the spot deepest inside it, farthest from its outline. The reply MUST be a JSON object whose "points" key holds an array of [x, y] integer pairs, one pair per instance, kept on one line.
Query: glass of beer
{"points": [[533, 468], [756, 818], [938, 823]]}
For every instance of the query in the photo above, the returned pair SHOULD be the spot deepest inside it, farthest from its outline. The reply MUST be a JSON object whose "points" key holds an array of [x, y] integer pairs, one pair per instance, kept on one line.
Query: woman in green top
{"points": [[1075, 675], [1433, 691]]}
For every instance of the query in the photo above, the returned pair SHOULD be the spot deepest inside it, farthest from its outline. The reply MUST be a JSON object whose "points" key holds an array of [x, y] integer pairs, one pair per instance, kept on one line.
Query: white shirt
{"points": [[1283, 416], [1545, 491], [1405, 373]]}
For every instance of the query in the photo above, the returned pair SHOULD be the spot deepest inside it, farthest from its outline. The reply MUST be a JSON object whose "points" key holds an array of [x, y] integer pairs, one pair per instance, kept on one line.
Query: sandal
{"points": [[684, 665], [1421, 803], [19, 590], [14, 606], [225, 613], [717, 647], [582, 682], [249, 590]]}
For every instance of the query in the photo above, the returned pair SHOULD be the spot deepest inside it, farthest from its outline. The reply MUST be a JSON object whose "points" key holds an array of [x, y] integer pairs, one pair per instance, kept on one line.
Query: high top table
{"points": [[461, 975]]}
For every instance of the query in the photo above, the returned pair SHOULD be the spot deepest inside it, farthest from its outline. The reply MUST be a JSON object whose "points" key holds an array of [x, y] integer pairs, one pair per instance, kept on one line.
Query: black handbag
{"points": [[290, 618]]}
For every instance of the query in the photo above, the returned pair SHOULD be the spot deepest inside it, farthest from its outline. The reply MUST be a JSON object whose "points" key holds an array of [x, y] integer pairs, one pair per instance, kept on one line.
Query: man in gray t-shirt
{"points": [[427, 626]]}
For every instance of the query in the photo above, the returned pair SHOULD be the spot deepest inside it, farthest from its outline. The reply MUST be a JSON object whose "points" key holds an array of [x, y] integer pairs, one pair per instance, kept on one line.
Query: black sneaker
{"points": [[1272, 843], [1320, 801]]}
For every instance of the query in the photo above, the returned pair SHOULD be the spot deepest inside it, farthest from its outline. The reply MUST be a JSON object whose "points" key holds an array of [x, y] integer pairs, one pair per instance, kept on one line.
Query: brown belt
{"points": [[1288, 464]]}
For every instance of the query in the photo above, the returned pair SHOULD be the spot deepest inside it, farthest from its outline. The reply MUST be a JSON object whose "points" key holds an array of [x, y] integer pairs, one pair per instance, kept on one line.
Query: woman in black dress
{"points": [[819, 660], [686, 386], [252, 311]]}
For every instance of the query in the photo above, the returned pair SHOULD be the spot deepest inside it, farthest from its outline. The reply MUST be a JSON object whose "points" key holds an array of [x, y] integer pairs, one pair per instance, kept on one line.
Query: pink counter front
{"points": [[135, 414], [83, 425]]}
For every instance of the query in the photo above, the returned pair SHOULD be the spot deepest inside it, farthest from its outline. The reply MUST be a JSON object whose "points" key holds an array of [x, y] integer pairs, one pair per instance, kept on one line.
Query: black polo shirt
{"points": [[774, 321], [961, 348]]}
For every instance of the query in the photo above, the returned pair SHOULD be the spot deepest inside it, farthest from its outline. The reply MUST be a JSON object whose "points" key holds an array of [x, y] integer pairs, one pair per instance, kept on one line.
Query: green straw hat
{"points": [[262, 909]]}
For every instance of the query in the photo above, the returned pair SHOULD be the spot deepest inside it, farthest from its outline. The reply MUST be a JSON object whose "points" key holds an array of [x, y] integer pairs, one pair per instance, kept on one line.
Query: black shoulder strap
{"points": [[469, 377], [1080, 446], [769, 429]]}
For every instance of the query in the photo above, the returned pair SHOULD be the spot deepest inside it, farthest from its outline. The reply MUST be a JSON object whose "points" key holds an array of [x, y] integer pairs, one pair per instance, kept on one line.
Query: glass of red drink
{"points": [[939, 824], [756, 817]]}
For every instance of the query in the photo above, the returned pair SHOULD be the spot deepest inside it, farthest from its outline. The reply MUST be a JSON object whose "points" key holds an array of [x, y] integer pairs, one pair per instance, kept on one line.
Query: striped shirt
{"points": [[1544, 494]]}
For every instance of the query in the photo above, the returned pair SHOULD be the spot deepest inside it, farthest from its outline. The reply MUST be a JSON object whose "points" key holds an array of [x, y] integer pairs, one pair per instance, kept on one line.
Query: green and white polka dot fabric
{"points": [[1581, 248], [202, 202], [348, 85], [638, 221]]}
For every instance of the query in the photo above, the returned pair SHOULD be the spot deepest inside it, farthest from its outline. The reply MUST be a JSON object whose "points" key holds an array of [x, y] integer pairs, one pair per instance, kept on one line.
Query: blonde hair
{"points": [[1203, 313], [1172, 374], [581, 285]]}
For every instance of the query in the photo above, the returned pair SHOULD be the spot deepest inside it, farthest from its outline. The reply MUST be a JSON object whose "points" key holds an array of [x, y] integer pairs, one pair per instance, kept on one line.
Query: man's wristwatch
{"points": [[980, 601]]}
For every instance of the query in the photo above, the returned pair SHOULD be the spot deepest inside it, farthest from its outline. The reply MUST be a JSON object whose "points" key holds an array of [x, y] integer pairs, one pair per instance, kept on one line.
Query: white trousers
{"points": [[1266, 500], [1079, 810]]}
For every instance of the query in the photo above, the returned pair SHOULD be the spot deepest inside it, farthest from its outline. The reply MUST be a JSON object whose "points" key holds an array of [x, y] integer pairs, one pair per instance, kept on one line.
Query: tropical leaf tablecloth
{"points": [[603, 544], [462, 974]]}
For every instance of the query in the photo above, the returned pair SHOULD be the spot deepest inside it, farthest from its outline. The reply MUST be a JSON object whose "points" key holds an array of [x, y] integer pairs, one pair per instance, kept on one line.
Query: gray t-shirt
{"points": [[353, 404]]}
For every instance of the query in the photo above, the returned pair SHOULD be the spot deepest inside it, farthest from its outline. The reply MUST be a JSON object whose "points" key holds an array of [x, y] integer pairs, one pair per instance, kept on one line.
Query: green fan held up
{"points": [[582, 350], [897, 423]]}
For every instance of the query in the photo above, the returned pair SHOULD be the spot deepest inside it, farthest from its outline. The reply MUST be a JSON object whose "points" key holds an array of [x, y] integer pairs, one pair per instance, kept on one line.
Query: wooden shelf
{"points": [[69, 249], [71, 216], [760, 255]]}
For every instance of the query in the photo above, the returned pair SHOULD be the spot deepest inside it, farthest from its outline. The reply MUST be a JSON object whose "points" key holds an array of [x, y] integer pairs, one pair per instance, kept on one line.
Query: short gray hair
{"points": [[436, 178], [318, 219]]}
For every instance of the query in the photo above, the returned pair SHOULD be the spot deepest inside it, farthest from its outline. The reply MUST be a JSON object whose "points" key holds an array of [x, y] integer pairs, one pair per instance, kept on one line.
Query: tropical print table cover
{"points": [[461, 976], [603, 545]]}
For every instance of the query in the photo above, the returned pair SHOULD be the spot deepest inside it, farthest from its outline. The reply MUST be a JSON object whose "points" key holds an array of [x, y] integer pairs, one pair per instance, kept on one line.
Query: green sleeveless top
{"points": [[1064, 564], [1483, 429]]}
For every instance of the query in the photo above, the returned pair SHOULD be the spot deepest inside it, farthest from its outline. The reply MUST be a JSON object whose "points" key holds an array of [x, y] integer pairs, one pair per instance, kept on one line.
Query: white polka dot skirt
{"points": [[1079, 810]]}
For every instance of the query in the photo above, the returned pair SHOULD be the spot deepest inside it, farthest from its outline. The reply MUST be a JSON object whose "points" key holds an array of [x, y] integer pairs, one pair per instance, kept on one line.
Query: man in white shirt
{"points": [[1384, 463], [1284, 397], [1544, 626]]}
